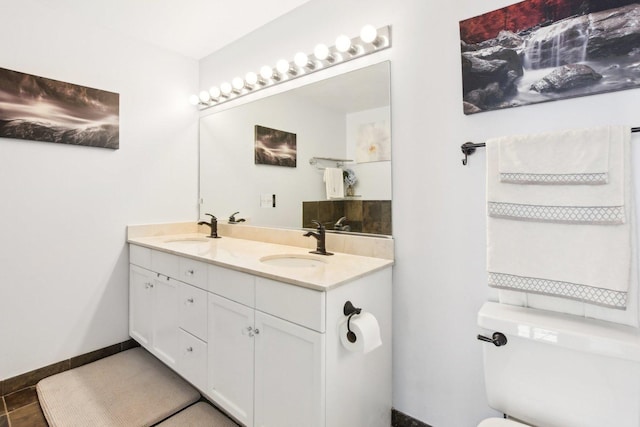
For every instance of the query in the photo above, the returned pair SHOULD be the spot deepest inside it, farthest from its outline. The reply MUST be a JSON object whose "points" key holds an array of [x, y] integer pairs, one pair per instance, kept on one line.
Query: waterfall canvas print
{"points": [[40, 109], [545, 50], [275, 147]]}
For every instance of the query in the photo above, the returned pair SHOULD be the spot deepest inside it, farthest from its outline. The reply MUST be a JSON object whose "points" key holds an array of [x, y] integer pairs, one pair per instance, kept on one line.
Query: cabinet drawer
{"points": [[231, 284], [140, 256], [165, 263], [193, 272], [193, 310], [192, 360], [296, 304]]}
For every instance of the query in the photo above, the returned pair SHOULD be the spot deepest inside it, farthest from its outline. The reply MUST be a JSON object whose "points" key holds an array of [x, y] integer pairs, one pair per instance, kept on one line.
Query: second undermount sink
{"points": [[293, 261]]}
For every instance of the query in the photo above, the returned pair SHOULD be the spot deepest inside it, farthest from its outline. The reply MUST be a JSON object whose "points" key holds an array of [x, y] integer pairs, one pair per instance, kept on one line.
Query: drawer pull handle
{"points": [[190, 272], [148, 285], [257, 331], [189, 349], [190, 300]]}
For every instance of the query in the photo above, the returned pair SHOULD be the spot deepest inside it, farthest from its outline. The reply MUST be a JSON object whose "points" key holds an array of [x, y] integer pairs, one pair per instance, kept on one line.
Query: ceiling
{"points": [[193, 28]]}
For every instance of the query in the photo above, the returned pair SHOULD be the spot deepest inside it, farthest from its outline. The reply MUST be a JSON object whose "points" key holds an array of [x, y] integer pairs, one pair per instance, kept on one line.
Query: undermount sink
{"points": [[293, 261]]}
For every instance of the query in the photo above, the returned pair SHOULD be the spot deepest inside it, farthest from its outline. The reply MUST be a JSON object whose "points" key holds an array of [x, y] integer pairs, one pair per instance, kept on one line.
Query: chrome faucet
{"points": [[339, 226], [213, 225], [319, 235], [233, 220]]}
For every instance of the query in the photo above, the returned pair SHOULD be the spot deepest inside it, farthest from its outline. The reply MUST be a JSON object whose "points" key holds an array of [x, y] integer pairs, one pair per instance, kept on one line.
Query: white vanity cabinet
{"points": [[266, 352], [192, 319], [231, 357], [266, 370], [289, 374], [167, 316], [153, 313]]}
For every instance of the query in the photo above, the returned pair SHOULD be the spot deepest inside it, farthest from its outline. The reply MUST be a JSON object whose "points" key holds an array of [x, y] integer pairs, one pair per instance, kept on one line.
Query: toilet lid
{"points": [[500, 422]]}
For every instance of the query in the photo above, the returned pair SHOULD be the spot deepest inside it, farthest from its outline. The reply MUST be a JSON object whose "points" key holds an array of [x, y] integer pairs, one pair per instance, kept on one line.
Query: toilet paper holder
{"points": [[350, 310]]}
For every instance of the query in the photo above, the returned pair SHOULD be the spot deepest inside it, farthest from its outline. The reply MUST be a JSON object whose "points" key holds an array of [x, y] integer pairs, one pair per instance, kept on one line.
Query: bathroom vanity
{"points": [[255, 326]]}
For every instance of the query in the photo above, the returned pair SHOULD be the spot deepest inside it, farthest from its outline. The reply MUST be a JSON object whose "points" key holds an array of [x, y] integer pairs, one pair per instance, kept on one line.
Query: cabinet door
{"points": [[141, 284], [230, 361], [166, 308], [289, 374]]}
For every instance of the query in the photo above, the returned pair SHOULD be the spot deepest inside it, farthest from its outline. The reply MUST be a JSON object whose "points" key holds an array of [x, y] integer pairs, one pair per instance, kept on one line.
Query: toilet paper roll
{"points": [[367, 333]]}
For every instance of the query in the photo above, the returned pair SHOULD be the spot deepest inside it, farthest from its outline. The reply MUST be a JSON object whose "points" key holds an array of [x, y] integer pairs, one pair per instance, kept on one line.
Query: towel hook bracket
{"points": [[468, 148]]}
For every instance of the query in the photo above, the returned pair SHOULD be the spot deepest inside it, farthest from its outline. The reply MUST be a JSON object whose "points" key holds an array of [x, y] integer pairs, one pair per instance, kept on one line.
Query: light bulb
{"points": [[214, 91], [302, 60], [343, 43], [238, 84], [194, 100], [368, 34], [321, 52], [282, 66], [204, 96], [226, 89], [251, 78], [266, 72]]}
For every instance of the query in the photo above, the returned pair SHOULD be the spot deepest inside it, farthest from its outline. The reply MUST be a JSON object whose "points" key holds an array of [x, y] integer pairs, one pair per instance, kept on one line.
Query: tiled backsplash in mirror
{"points": [[363, 216]]}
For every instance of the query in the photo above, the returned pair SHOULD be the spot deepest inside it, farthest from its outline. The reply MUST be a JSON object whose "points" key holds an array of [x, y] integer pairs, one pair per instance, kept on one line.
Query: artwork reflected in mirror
{"points": [[275, 147], [374, 142], [327, 119]]}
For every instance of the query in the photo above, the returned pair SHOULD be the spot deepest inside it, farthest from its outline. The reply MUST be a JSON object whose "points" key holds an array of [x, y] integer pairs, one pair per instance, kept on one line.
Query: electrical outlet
{"points": [[268, 200]]}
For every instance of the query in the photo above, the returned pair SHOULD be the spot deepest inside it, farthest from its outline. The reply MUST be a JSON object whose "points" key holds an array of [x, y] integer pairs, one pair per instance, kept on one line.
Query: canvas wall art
{"points": [[546, 50], [275, 147], [39, 109]]}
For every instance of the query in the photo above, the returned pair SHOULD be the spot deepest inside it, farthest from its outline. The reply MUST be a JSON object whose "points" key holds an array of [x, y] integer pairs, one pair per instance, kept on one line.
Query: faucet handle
{"points": [[213, 218], [232, 217], [319, 225]]}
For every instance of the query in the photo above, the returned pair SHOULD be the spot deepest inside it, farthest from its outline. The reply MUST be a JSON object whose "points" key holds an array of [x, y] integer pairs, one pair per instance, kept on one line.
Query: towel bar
{"points": [[468, 148]]}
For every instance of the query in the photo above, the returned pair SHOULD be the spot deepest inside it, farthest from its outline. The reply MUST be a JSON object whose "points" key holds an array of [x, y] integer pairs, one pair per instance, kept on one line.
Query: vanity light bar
{"points": [[345, 49]]}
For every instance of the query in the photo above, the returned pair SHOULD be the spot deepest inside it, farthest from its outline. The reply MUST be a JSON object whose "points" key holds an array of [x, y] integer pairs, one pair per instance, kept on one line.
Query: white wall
{"points": [[63, 257], [438, 205]]}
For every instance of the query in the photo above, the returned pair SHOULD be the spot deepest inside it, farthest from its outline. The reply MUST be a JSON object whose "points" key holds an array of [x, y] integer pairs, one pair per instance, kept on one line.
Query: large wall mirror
{"points": [[346, 117]]}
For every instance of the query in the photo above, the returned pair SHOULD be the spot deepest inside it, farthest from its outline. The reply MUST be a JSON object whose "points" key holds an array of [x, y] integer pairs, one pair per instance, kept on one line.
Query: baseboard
{"points": [[31, 378], [398, 419]]}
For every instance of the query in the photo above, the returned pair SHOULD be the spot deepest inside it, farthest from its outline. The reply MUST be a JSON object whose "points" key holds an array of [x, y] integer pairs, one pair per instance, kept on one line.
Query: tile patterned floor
{"points": [[21, 409]]}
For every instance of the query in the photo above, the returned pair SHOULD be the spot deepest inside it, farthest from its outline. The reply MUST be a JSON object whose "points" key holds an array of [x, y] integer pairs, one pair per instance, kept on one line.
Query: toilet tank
{"points": [[560, 370]]}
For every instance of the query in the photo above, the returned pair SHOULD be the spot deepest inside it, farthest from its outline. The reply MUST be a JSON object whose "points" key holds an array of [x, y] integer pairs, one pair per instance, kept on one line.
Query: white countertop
{"points": [[244, 255]]}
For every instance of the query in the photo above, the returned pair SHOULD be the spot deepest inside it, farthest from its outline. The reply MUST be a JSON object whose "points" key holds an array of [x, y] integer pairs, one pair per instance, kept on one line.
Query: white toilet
{"points": [[559, 370]]}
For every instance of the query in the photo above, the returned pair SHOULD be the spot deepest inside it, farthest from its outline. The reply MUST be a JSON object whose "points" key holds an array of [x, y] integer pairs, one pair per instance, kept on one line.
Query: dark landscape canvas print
{"points": [[545, 50], [40, 109], [275, 147]]}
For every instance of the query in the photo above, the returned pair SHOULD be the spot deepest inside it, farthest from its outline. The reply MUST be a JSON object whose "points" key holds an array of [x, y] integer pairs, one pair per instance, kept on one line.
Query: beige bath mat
{"points": [[128, 389], [199, 415]]}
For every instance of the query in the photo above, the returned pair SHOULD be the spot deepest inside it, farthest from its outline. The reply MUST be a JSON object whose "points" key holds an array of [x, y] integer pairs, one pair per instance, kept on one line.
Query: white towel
{"points": [[334, 183], [599, 204], [579, 157], [572, 258]]}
